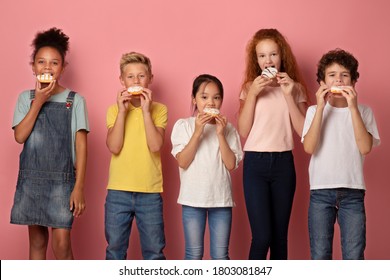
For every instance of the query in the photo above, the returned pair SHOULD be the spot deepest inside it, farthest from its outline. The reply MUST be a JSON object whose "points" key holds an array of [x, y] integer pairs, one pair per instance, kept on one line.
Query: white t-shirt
{"points": [[272, 129], [206, 182], [337, 162]]}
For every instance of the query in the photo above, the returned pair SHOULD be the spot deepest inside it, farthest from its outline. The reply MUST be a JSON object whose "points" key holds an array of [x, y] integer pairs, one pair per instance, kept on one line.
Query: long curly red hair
{"points": [[289, 63]]}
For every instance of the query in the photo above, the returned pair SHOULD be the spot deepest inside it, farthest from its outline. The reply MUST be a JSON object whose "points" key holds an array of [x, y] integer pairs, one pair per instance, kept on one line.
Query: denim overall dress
{"points": [[46, 173]]}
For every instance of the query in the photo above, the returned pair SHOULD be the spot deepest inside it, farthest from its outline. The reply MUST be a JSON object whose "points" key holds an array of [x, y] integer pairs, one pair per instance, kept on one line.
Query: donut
{"points": [[135, 90], [269, 72], [336, 90], [211, 111], [45, 78]]}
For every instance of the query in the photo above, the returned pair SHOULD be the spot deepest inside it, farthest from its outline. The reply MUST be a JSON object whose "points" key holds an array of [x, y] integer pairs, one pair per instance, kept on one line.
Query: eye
{"points": [[218, 98]]}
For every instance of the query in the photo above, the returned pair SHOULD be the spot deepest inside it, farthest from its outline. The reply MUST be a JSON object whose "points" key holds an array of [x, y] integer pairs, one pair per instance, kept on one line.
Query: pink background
{"points": [[184, 39]]}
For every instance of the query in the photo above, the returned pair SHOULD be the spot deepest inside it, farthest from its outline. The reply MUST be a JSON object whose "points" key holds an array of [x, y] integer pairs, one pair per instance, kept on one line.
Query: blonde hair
{"points": [[134, 57]]}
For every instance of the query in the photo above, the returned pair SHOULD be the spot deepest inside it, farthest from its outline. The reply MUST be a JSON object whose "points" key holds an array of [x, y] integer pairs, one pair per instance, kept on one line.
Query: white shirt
{"points": [[206, 182], [337, 162]]}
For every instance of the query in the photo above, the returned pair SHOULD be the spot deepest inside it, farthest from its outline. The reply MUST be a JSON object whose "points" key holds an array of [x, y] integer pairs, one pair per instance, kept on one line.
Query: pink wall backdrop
{"points": [[184, 39]]}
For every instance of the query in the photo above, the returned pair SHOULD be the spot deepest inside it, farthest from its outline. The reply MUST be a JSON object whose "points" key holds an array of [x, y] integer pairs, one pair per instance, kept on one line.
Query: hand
{"points": [[42, 94], [201, 120], [77, 203], [146, 100], [123, 100], [221, 122], [351, 96], [322, 95], [258, 85], [286, 83]]}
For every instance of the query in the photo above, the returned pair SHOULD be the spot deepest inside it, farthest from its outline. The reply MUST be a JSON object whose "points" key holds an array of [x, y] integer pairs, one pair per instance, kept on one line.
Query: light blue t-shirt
{"points": [[79, 112]]}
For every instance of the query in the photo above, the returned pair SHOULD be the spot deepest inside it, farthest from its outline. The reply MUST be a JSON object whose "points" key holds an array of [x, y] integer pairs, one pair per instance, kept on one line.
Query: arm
{"points": [[115, 134], [154, 135], [228, 157], [23, 130], [313, 135], [362, 137], [77, 202], [297, 111], [187, 155], [247, 106]]}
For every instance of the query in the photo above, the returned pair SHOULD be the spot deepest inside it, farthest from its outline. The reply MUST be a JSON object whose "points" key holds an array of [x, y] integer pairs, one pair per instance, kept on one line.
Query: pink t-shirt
{"points": [[272, 130]]}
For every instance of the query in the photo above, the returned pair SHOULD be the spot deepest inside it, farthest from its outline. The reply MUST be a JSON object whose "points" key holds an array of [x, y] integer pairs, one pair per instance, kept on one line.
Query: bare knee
{"points": [[61, 244], [38, 238]]}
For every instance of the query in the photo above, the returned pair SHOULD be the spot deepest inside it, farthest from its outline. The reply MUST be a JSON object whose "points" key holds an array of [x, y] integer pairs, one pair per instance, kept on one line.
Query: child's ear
{"points": [[121, 80], [322, 83]]}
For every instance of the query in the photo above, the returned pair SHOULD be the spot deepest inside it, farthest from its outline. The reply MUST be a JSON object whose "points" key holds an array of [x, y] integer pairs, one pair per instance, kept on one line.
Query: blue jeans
{"points": [[269, 187], [194, 222], [345, 205], [120, 209]]}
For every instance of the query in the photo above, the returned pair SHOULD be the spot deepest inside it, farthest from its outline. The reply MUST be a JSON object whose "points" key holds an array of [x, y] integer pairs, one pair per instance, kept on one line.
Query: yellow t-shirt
{"points": [[136, 169]]}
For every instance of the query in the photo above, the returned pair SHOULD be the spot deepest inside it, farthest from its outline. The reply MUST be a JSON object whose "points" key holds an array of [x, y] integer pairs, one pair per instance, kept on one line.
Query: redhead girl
{"points": [[270, 110]]}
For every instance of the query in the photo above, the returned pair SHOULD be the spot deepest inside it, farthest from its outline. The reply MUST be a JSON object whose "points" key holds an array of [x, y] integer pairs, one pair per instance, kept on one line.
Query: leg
{"points": [[352, 220], [282, 196], [118, 220], [38, 238], [150, 223], [257, 200], [61, 244], [220, 223], [322, 216], [194, 224]]}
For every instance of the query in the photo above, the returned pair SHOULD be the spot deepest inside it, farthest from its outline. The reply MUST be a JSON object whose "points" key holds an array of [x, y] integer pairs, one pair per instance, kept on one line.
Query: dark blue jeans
{"points": [[269, 187]]}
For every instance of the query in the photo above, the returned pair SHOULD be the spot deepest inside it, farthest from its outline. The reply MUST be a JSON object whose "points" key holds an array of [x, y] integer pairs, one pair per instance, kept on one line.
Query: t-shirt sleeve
{"points": [[81, 114], [180, 136], [300, 96], [233, 139], [161, 117], [112, 113], [370, 123], [22, 107], [308, 120]]}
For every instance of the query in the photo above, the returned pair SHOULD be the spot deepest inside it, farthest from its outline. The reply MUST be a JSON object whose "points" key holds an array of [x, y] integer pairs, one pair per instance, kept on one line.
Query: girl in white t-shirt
{"points": [[271, 108], [206, 148]]}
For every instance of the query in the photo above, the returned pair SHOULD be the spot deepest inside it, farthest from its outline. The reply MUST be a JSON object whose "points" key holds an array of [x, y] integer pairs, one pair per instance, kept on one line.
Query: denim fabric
{"points": [[120, 209], [345, 205], [194, 223], [46, 173], [269, 187]]}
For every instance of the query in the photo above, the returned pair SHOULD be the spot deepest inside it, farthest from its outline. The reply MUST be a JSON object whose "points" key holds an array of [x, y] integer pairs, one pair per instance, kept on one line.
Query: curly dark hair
{"points": [[341, 57], [54, 38]]}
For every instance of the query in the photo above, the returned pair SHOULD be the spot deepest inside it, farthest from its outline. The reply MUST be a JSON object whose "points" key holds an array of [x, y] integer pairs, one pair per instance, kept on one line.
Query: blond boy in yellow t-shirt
{"points": [[136, 127]]}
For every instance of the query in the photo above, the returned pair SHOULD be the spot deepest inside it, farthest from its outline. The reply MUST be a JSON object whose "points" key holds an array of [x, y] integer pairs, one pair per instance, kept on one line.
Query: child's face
{"points": [[337, 75], [48, 60], [268, 54], [135, 74], [208, 96]]}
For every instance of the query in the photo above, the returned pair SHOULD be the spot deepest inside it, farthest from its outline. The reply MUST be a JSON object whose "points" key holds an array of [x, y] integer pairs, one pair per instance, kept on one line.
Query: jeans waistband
{"points": [[268, 154]]}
